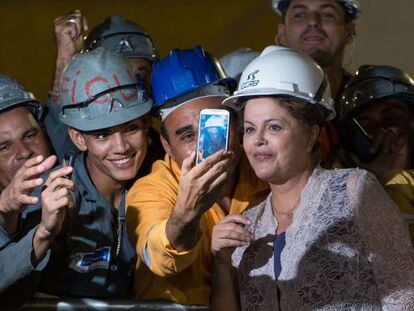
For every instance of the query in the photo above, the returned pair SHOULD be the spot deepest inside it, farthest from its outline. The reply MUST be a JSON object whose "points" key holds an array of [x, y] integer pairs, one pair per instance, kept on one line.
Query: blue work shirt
{"points": [[92, 256], [56, 130]]}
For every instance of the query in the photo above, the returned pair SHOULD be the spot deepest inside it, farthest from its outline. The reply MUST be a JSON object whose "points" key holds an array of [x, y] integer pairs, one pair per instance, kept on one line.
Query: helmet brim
{"points": [[236, 101], [122, 116]]}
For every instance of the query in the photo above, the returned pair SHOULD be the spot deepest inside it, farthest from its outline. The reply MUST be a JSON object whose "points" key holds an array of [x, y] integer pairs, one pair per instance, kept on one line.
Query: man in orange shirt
{"points": [[171, 212]]}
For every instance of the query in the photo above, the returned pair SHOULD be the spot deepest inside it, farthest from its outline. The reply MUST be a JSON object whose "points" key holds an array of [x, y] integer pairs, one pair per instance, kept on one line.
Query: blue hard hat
{"points": [[184, 71]]}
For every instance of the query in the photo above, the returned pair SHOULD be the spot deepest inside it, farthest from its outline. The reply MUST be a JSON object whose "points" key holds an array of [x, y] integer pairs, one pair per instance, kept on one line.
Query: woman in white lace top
{"points": [[323, 239]]}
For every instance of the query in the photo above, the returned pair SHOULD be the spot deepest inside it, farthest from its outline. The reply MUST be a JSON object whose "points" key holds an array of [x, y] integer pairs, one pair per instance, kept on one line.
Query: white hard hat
{"points": [[287, 72], [352, 7], [235, 62]]}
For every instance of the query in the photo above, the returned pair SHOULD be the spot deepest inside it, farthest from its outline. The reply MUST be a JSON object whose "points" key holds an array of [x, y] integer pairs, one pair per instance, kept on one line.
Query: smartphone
{"points": [[359, 142], [68, 160], [213, 132]]}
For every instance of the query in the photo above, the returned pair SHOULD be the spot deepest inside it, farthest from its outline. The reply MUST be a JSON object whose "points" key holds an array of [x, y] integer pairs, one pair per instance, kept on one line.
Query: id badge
{"points": [[84, 262]]}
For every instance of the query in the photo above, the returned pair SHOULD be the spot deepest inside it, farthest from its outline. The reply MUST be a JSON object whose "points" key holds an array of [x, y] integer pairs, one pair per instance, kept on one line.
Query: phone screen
{"points": [[213, 132]]}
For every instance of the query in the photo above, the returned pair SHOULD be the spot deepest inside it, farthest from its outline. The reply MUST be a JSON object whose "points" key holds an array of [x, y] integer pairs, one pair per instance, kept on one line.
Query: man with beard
{"points": [[171, 212], [321, 29]]}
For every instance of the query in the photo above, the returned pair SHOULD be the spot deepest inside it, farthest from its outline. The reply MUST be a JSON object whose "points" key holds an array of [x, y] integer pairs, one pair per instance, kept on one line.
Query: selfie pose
{"points": [[82, 249], [171, 211], [323, 239]]}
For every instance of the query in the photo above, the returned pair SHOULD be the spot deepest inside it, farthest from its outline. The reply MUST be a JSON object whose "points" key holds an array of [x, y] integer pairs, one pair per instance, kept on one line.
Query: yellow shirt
{"points": [[400, 187], [162, 272]]}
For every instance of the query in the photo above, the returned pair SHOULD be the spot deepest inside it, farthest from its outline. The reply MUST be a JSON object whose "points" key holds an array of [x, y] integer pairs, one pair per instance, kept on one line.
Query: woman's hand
{"points": [[229, 233]]}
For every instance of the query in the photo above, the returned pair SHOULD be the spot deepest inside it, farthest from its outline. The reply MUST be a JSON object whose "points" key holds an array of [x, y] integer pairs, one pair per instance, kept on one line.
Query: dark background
{"points": [[27, 51]]}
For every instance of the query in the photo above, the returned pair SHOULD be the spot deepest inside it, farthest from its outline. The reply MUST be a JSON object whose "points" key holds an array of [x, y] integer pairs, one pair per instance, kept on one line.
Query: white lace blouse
{"points": [[347, 249]]}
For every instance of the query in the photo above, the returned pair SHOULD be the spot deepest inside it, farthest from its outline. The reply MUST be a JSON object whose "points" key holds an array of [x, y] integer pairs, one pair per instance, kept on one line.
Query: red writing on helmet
{"points": [[91, 82], [93, 86], [63, 90]]}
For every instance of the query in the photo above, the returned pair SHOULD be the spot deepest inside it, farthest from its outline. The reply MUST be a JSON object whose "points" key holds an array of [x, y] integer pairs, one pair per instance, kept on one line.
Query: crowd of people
{"points": [[310, 206]]}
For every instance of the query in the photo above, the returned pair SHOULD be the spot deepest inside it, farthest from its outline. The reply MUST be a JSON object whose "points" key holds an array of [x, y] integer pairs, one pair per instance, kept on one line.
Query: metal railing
{"points": [[46, 304]]}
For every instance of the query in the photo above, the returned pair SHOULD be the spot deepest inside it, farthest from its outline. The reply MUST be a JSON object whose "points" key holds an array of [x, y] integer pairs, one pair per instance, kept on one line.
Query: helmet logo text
{"points": [[250, 81], [252, 75]]}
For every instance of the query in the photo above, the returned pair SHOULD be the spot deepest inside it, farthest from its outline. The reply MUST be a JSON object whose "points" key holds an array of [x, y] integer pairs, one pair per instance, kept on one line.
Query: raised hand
{"points": [[69, 31], [56, 199], [200, 187], [17, 195]]}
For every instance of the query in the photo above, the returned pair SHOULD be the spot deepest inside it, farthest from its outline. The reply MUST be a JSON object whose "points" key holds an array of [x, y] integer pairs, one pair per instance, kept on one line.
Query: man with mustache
{"points": [[171, 212], [321, 29]]}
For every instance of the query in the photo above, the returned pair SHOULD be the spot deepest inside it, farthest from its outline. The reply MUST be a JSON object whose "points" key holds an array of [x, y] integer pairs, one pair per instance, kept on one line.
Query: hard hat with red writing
{"points": [[99, 90], [13, 94]]}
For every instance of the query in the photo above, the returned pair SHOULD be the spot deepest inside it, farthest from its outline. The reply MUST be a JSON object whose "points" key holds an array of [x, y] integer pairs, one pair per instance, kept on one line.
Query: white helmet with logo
{"points": [[286, 72]]}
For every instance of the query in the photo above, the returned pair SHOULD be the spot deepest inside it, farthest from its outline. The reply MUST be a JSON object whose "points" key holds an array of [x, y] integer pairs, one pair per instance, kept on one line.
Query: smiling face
{"points": [[20, 139], [318, 28], [181, 126], [114, 154], [277, 145]]}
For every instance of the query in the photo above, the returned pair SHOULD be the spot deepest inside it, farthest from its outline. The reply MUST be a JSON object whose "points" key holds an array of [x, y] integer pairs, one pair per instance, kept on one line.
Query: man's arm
{"points": [[69, 30], [199, 188], [30, 254], [152, 205], [16, 261]]}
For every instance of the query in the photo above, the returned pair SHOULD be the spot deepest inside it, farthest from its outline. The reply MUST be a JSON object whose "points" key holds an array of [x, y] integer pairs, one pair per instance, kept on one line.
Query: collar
{"points": [[86, 188]]}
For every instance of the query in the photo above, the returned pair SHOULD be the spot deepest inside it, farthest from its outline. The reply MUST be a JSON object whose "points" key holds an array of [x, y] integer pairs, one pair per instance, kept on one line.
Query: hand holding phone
{"points": [[213, 132], [68, 160]]}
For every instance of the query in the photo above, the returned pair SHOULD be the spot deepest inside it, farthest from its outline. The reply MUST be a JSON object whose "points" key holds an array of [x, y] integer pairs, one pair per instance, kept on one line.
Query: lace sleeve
{"points": [[385, 241]]}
